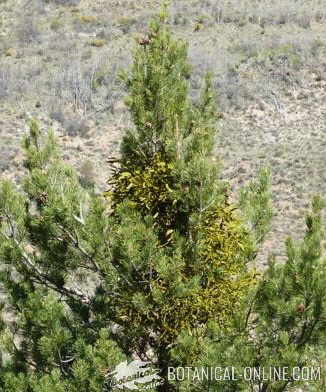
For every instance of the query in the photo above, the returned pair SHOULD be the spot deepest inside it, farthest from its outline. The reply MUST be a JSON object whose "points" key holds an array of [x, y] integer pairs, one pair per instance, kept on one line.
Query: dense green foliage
{"points": [[48, 337], [167, 174], [157, 269], [282, 324]]}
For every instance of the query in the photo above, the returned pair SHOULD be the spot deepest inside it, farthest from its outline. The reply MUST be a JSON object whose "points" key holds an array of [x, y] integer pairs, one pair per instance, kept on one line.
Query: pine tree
{"points": [[158, 268], [281, 325], [90, 281], [197, 270], [53, 236]]}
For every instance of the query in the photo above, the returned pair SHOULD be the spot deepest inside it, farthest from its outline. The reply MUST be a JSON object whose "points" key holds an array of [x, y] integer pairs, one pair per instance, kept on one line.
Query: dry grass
{"points": [[269, 66]]}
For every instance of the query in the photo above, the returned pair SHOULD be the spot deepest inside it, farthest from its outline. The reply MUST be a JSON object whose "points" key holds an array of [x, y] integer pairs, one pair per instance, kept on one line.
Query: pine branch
{"points": [[77, 245], [39, 275]]}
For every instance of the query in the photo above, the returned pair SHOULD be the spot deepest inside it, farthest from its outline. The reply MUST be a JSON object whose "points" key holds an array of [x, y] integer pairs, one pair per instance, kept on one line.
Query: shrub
{"points": [[126, 23], [76, 126], [56, 24], [27, 32], [64, 2], [88, 19], [87, 174], [98, 43], [4, 83], [57, 115]]}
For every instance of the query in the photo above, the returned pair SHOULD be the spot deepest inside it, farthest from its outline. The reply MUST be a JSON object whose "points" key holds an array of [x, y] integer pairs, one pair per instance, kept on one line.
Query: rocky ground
{"points": [[59, 62]]}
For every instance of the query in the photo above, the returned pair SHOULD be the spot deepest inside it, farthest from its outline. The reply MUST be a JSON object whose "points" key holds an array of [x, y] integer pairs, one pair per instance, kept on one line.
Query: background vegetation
{"points": [[59, 60], [268, 64]]}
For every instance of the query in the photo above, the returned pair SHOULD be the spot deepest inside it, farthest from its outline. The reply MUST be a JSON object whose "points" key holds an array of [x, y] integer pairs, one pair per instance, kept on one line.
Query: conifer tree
{"points": [[279, 336], [197, 271], [158, 268], [53, 242], [90, 281]]}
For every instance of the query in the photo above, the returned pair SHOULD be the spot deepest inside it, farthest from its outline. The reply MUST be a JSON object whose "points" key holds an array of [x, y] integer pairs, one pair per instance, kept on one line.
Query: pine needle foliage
{"points": [[171, 134], [281, 324], [51, 235], [196, 270], [142, 272], [166, 172]]}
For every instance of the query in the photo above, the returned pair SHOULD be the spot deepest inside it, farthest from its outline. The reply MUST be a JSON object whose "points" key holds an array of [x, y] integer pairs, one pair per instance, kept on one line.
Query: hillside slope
{"points": [[59, 61]]}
